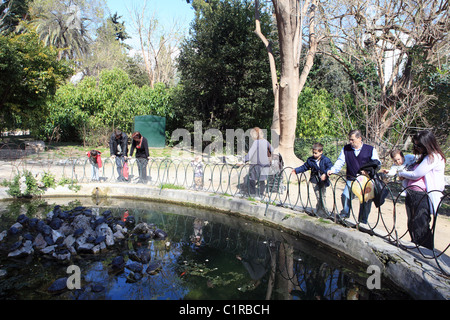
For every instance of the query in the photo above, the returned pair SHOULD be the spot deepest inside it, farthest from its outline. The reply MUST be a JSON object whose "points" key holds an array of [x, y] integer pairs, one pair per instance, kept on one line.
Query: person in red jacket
{"points": [[96, 163]]}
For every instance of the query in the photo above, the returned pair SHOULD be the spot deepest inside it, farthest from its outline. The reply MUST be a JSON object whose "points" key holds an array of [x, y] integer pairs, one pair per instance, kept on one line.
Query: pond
{"points": [[206, 256]]}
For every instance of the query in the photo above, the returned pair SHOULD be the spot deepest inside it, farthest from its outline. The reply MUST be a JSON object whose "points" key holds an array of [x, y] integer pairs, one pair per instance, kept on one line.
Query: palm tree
{"points": [[64, 28]]}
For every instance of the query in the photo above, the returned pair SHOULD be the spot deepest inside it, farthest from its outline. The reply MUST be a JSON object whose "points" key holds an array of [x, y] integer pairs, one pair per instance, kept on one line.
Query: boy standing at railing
{"points": [[96, 163], [319, 166]]}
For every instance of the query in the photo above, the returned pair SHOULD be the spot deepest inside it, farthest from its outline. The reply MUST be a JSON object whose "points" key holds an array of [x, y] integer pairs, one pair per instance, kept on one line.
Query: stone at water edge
{"points": [[24, 251], [118, 263]]}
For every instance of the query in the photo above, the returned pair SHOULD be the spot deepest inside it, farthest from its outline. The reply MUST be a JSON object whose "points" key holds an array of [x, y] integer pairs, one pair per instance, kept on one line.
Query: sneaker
{"points": [[321, 213], [343, 216], [364, 225]]}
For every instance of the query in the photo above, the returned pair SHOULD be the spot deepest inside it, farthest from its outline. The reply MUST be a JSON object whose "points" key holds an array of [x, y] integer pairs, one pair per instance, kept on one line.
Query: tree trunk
{"points": [[288, 97], [290, 17], [275, 128]]}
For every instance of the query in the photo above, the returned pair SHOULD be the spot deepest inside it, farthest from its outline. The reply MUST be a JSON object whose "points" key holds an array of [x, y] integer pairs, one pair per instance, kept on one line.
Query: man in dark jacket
{"points": [[355, 155], [118, 148], [319, 166]]}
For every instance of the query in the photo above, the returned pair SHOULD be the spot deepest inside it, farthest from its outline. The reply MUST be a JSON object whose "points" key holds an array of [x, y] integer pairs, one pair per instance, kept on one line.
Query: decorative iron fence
{"points": [[274, 185]]}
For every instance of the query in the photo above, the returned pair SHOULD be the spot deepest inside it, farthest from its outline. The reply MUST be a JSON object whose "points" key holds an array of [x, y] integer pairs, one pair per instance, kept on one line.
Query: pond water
{"points": [[207, 255]]}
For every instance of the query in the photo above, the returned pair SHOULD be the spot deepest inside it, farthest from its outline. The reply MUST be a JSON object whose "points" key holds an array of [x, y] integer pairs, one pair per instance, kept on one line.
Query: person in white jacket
{"points": [[425, 181], [401, 162]]}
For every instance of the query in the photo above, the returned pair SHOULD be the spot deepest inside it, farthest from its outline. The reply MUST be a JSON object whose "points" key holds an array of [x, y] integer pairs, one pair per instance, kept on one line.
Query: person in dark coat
{"points": [[140, 144], [118, 147], [355, 155], [319, 165]]}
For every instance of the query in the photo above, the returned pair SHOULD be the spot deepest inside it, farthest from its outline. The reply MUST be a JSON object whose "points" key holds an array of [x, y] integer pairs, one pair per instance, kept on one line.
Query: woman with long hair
{"points": [[140, 144], [424, 187]]}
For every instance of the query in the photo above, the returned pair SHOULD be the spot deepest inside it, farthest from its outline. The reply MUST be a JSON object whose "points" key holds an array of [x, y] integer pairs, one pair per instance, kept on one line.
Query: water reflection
{"points": [[207, 255]]}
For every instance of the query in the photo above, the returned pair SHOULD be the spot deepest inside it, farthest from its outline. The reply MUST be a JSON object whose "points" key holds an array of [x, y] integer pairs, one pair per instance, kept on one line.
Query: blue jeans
{"points": [[142, 169], [120, 160], [94, 172], [364, 208]]}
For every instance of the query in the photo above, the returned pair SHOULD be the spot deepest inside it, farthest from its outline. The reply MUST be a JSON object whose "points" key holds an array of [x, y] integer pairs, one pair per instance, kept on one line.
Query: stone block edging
{"points": [[416, 276]]}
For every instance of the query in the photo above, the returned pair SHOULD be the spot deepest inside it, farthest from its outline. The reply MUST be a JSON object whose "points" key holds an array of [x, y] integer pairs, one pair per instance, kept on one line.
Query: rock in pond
{"points": [[65, 236], [97, 288], [118, 264], [58, 286], [160, 234], [134, 266], [153, 268]]}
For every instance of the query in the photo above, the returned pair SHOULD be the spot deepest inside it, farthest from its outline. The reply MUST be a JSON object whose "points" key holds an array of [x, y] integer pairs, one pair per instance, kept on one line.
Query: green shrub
{"points": [[72, 183], [48, 180], [331, 147]]}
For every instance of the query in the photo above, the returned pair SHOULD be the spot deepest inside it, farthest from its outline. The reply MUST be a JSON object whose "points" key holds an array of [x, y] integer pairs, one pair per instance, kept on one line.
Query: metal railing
{"points": [[278, 187]]}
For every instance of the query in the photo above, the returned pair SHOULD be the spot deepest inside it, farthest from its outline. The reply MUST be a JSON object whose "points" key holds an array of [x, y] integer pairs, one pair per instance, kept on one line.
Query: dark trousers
{"points": [[419, 217], [252, 187], [142, 169]]}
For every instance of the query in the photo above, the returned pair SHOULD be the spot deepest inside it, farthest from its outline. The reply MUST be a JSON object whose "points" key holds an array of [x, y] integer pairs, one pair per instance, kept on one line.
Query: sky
{"points": [[166, 11]]}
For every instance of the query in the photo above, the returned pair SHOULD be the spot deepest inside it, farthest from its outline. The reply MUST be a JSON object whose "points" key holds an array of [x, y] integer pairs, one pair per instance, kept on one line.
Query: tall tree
{"points": [[11, 13], [292, 16], [119, 28], [67, 24], [157, 46], [29, 73], [224, 73], [388, 48], [107, 51], [438, 115]]}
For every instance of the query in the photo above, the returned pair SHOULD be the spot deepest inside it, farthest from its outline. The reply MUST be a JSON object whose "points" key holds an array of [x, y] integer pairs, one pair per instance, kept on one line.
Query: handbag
{"points": [[363, 188]]}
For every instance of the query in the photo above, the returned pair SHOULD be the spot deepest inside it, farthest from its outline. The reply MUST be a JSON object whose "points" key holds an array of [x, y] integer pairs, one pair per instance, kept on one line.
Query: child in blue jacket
{"points": [[319, 166]]}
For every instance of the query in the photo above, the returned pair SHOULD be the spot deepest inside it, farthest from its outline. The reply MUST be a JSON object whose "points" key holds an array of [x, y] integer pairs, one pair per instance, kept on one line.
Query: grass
{"points": [[171, 186]]}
